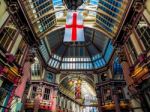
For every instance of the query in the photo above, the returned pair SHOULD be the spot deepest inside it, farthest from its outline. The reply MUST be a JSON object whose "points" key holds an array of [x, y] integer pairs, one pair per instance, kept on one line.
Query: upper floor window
{"points": [[132, 52], [120, 93], [46, 94], [36, 69], [20, 51], [107, 94], [143, 30], [8, 34], [117, 69], [34, 90]]}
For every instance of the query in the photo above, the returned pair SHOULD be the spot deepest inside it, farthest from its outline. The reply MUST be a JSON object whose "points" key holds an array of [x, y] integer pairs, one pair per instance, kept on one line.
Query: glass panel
{"points": [[132, 52], [109, 51], [46, 94], [8, 34], [143, 31]]}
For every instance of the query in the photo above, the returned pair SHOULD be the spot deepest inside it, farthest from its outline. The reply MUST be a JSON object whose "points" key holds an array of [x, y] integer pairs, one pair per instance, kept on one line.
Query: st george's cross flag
{"points": [[74, 31]]}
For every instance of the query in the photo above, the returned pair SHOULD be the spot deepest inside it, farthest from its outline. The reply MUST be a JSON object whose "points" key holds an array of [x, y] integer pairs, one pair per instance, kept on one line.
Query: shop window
{"points": [[132, 52], [46, 94], [5, 90], [8, 34], [143, 31], [3, 94]]}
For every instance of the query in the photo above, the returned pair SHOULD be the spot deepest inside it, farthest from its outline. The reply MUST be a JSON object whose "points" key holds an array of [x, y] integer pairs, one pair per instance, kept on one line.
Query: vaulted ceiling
{"points": [[103, 20], [94, 53], [68, 85], [106, 15]]}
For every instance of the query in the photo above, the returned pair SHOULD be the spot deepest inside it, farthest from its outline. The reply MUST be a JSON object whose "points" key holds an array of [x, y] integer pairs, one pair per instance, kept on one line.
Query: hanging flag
{"points": [[74, 31]]}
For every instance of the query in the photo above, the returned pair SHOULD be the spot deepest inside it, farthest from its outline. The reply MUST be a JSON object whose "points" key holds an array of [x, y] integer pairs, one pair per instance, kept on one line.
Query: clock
{"points": [[49, 77]]}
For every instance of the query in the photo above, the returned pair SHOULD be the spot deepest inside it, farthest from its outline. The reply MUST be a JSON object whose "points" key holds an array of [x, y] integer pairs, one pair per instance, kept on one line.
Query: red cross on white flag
{"points": [[74, 27]]}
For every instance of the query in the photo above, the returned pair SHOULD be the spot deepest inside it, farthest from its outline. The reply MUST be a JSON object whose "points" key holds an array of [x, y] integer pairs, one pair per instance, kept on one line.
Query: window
{"points": [[8, 34], [20, 51], [36, 68], [46, 94], [5, 88], [132, 51], [117, 69], [120, 94], [107, 95], [3, 94], [34, 89], [143, 30]]}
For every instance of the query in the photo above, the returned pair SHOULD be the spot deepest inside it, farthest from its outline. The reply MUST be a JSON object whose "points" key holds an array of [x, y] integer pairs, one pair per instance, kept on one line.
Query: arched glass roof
{"points": [[101, 18], [94, 53], [68, 84], [107, 15]]}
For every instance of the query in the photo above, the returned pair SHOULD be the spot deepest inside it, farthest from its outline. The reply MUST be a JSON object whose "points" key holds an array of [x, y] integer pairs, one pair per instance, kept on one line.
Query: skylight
{"points": [[58, 4], [92, 4]]}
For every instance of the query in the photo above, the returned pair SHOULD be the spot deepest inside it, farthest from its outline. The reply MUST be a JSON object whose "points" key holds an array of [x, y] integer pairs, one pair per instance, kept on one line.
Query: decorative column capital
{"points": [[12, 7], [138, 6], [127, 28]]}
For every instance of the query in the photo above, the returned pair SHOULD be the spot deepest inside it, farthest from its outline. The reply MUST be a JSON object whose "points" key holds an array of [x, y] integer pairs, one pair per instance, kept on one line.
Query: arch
{"points": [[82, 76], [87, 26]]}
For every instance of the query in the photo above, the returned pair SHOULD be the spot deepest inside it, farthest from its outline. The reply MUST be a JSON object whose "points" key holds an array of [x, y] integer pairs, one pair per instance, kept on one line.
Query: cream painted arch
{"points": [[83, 76]]}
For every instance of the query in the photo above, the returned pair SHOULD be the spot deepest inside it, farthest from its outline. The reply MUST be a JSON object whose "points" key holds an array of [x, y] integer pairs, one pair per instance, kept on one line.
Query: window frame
{"points": [[131, 50], [47, 94], [141, 36]]}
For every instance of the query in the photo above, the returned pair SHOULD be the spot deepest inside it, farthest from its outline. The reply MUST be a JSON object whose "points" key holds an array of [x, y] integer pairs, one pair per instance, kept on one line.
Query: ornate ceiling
{"points": [[106, 15], [94, 53], [103, 20]]}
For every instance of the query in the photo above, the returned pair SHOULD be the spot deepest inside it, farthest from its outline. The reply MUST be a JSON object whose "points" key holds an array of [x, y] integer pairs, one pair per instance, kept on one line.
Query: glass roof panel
{"points": [[112, 13], [58, 4], [92, 4], [72, 56], [44, 51], [108, 52]]}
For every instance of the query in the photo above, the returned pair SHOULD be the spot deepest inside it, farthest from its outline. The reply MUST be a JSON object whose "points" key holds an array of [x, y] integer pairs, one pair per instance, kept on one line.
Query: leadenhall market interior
{"points": [[108, 71]]}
